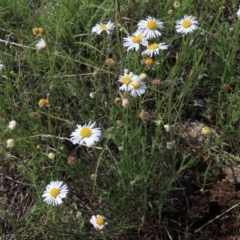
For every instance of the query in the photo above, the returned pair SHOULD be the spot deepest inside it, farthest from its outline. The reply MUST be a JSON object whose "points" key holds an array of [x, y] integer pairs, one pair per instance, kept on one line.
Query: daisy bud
{"points": [[126, 71], [10, 143], [12, 124], [121, 148], [167, 127], [51, 156], [91, 95], [158, 122], [125, 102], [143, 76], [205, 131], [119, 123], [35, 31], [93, 177], [144, 115], [176, 4], [169, 145], [110, 62], [41, 30], [117, 100]]}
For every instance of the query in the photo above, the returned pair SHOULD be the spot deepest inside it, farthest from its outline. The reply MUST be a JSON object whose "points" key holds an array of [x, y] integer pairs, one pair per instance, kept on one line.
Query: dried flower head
{"points": [[35, 31], [110, 62], [144, 115], [117, 100], [42, 102], [156, 82], [71, 160], [41, 30]]}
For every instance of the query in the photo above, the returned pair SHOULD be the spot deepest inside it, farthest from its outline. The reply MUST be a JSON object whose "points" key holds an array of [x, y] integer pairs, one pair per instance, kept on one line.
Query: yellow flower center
{"points": [[137, 38], [186, 23], [54, 192], [152, 46], [126, 80], [149, 62], [100, 220], [85, 132], [136, 85], [151, 24], [103, 27]]}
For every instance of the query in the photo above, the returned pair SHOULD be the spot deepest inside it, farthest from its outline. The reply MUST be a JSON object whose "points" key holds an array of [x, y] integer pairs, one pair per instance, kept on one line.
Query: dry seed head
{"points": [[117, 100], [35, 31], [170, 11], [156, 82], [225, 86], [144, 115], [71, 160], [42, 102], [41, 30], [110, 62]]}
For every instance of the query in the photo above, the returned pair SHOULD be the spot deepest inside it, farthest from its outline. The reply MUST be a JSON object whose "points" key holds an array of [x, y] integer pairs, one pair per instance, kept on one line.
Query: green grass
{"points": [[134, 170]]}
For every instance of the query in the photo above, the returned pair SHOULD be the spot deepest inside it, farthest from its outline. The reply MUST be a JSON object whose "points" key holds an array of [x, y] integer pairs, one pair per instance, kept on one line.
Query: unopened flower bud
{"points": [[205, 131], [117, 100], [125, 102], [167, 127], [143, 76], [51, 156], [10, 143], [12, 124]]}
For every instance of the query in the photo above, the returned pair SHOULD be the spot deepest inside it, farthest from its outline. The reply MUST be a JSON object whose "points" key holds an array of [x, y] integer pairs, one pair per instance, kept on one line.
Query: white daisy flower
{"points": [[186, 25], [1, 66], [137, 88], [12, 124], [126, 79], [54, 193], [150, 26], [238, 12], [98, 28], [86, 134], [99, 222], [41, 44], [133, 42], [153, 49]]}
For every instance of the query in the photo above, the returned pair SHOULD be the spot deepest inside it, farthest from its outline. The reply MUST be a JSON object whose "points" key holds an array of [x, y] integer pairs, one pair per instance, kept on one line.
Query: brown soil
{"points": [[201, 214]]}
